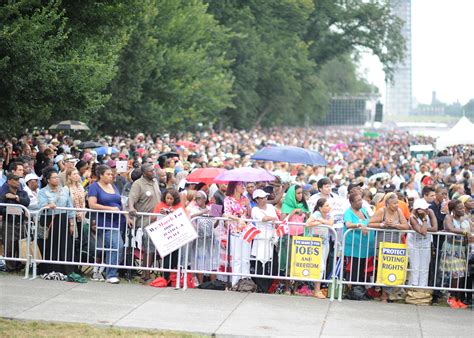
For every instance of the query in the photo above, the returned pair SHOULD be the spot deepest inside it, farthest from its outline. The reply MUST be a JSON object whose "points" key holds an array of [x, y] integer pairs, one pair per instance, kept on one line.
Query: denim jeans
{"points": [[113, 247]]}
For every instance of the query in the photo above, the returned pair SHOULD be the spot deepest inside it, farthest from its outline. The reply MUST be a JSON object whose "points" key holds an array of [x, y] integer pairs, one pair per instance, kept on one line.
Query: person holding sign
{"points": [[320, 216], [389, 217], [359, 244], [170, 201], [419, 243], [295, 209]]}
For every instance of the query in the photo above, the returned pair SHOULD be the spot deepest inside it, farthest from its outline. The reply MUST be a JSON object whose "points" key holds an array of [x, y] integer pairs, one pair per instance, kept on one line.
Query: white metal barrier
{"points": [[220, 251], [110, 240], [15, 236], [437, 261]]}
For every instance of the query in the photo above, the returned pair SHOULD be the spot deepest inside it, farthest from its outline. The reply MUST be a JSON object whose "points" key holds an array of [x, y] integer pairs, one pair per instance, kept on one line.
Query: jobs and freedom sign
{"points": [[171, 232], [306, 255]]}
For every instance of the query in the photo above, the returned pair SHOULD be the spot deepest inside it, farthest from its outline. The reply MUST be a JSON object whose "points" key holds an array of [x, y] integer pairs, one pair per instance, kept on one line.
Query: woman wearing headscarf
{"points": [[294, 210]]}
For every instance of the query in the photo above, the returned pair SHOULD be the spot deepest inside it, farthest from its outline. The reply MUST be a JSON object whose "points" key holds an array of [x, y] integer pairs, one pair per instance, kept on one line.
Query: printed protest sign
{"points": [[121, 166], [306, 253], [171, 232], [392, 265]]}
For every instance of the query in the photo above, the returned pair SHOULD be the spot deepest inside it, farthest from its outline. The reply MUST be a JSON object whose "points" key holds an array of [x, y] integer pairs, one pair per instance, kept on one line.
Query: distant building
{"points": [[399, 92]]}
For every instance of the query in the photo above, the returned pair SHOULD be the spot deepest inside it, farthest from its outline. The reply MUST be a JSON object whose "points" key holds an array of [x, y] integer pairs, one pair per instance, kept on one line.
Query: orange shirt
{"points": [[163, 205], [402, 205]]}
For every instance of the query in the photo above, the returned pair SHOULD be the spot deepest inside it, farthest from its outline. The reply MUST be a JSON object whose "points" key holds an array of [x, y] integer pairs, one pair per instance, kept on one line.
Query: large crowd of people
{"points": [[373, 186]]}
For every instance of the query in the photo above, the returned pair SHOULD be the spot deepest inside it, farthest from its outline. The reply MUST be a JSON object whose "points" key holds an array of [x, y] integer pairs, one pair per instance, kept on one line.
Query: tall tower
{"points": [[399, 93]]}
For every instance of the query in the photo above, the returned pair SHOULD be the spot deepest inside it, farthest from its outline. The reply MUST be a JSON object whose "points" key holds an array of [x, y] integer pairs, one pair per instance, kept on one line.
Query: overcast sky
{"points": [[443, 51]]}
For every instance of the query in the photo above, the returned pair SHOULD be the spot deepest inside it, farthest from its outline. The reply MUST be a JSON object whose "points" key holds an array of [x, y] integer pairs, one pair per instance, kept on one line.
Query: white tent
{"points": [[461, 133]]}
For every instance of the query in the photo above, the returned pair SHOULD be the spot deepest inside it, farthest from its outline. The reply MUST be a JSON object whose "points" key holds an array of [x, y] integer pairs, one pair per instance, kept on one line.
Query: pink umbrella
{"points": [[245, 175], [187, 144], [205, 175]]}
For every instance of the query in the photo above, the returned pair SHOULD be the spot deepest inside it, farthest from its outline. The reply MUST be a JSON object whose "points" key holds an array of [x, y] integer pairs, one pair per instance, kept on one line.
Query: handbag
{"points": [[25, 250]]}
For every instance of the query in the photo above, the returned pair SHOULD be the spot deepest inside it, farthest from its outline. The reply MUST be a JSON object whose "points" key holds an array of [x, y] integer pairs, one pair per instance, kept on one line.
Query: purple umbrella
{"points": [[245, 175]]}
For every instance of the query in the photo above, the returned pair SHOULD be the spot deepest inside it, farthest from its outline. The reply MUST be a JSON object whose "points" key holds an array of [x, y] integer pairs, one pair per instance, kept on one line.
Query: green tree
{"points": [[340, 27], [469, 109], [275, 80], [57, 58], [29, 63], [176, 65]]}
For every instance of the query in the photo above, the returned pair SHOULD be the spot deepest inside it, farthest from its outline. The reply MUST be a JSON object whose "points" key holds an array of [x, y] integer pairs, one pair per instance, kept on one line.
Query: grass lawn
{"points": [[19, 328]]}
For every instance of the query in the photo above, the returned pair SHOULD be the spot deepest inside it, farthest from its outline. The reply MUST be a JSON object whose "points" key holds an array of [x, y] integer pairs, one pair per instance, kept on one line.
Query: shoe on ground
{"points": [[319, 294], [97, 277], [461, 304], [453, 303], [113, 280]]}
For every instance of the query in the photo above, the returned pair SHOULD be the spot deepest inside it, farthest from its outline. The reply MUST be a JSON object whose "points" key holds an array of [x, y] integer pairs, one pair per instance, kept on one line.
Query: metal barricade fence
{"points": [[15, 236], [437, 261], [253, 251], [69, 238]]}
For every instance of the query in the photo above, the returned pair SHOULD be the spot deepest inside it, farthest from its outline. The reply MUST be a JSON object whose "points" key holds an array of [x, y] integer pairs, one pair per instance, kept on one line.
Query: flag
{"points": [[282, 229], [250, 233]]}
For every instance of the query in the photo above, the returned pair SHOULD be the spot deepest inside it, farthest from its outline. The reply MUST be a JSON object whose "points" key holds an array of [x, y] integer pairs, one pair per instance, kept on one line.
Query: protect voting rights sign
{"points": [[171, 232], [392, 266]]}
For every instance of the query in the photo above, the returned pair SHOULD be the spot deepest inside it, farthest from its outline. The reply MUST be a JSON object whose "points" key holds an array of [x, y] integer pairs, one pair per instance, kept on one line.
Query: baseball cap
{"points": [[420, 203], [259, 193], [112, 163], [353, 185], [30, 177], [427, 180], [389, 188]]}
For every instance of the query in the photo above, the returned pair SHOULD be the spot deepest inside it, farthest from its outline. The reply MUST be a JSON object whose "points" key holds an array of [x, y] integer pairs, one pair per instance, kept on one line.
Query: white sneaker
{"points": [[97, 276], [113, 280]]}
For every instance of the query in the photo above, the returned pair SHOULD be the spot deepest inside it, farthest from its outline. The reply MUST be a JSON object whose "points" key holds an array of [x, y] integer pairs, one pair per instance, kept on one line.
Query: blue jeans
{"points": [[113, 247]]}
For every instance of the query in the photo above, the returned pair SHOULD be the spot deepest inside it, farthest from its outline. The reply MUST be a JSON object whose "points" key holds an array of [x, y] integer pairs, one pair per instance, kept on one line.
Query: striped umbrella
{"points": [[70, 125]]}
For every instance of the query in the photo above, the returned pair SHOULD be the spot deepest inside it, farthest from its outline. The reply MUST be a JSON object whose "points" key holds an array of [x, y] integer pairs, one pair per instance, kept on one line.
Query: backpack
{"points": [[212, 285], [245, 285]]}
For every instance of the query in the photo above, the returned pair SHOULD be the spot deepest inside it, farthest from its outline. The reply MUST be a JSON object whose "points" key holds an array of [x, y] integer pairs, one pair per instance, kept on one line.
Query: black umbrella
{"points": [[90, 145], [70, 125]]}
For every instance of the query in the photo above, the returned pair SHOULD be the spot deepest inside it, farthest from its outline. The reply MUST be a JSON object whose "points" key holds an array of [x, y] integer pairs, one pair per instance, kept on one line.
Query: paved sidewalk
{"points": [[221, 313]]}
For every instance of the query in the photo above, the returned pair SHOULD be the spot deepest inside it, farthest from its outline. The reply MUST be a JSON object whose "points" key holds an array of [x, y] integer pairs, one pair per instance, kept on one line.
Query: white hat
{"points": [[259, 193], [420, 204], [30, 177]]}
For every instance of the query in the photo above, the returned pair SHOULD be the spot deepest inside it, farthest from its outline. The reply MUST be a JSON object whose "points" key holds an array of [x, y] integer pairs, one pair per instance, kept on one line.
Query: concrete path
{"points": [[221, 313]]}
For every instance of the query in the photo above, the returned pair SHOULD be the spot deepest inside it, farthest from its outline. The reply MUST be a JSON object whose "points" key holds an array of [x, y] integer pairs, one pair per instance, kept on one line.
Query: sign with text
{"points": [[171, 232], [392, 266], [306, 253]]}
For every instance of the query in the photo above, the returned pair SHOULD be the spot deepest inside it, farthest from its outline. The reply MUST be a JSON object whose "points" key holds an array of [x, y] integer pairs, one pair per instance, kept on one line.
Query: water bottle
{"points": [[443, 205]]}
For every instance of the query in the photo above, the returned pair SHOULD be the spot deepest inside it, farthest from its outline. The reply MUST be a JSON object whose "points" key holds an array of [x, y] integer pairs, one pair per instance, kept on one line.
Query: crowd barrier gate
{"points": [[82, 232], [427, 259]]}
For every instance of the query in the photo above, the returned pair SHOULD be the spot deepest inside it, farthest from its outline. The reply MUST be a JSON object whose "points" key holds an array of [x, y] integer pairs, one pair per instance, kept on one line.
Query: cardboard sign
{"points": [[306, 253], [121, 166], [392, 266], [171, 232]]}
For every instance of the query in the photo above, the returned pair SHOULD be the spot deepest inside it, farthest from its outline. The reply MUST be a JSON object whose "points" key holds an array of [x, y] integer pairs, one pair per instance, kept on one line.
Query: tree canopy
{"points": [[155, 65]]}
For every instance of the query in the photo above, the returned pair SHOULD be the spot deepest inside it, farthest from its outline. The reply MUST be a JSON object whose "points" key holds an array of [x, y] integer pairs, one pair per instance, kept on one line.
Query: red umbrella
{"points": [[205, 175], [187, 144]]}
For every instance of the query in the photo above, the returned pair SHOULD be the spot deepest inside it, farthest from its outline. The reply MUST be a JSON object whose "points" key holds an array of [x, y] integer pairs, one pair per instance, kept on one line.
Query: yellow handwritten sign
{"points": [[306, 253], [392, 265]]}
